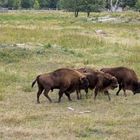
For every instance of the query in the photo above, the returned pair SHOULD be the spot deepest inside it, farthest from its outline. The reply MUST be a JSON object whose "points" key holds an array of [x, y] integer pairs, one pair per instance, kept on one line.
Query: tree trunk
{"points": [[116, 5], [88, 13], [113, 8], [111, 5], [76, 9], [76, 13]]}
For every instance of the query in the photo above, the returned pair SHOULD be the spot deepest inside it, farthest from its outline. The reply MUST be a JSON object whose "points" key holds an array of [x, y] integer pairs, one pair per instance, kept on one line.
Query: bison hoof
{"points": [[38, 102]]}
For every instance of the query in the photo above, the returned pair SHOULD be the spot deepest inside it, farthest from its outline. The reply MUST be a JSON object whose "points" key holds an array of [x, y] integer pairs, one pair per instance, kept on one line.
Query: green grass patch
{"points": [[13, 54]]}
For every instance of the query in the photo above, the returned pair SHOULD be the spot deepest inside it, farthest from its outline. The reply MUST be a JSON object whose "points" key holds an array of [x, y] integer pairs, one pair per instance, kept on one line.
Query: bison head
{"points": [[109, 81], [84, 83], [136, 87], [114, 82]]}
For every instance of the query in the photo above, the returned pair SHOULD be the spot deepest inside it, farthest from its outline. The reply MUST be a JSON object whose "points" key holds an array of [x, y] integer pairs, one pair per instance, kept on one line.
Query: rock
{"points": [[100, 32]]}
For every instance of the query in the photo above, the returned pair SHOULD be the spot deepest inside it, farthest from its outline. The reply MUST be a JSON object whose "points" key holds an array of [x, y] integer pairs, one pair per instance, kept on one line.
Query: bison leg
{"points": [[60, 95], [78, 92], [120, 87], [95, 93], [46, 94], [61, 91], [39, 93], [107, 93], [124, 92], [80, 95], [86, 90], [68, 95]]}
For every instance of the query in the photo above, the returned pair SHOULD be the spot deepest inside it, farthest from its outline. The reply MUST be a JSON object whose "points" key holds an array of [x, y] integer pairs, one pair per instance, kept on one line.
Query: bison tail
{"points": [[33, 83]]}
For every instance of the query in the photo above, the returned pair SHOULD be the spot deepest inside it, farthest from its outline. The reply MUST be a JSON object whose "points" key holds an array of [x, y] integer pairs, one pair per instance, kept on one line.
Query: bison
{"points": [[99, 81], [64, 79], [126, 77]]}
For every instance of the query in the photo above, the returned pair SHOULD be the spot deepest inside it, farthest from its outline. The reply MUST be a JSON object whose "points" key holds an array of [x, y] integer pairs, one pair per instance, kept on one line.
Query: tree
{"points": [[129, 3], [93, 6], [17, 4], [137, 5], [4, 3], [114, 5], [82, 5], [27, 3], [14, 4], [77, 7], [36, 5], [52, 3], [43, 3], [71, 5], [11, 3]]}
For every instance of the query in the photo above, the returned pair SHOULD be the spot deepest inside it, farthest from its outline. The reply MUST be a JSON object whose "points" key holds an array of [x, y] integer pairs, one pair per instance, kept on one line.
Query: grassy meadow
{"points": [[32, 43]]}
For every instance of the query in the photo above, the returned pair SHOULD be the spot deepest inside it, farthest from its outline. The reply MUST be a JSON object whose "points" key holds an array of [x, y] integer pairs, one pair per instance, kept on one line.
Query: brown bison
{"points": [[99, 80], [64, 79], [126, 77]]}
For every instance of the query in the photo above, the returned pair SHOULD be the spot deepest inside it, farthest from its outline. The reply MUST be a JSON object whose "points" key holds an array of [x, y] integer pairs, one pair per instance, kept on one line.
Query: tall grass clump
{"points": [[47, 46], [14, 54], [1, 95]]}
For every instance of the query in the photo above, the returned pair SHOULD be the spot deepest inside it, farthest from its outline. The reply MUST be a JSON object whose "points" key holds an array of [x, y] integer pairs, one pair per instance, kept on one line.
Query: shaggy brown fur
{"points": [[126, 77], [67, 80], [99, 81]]}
